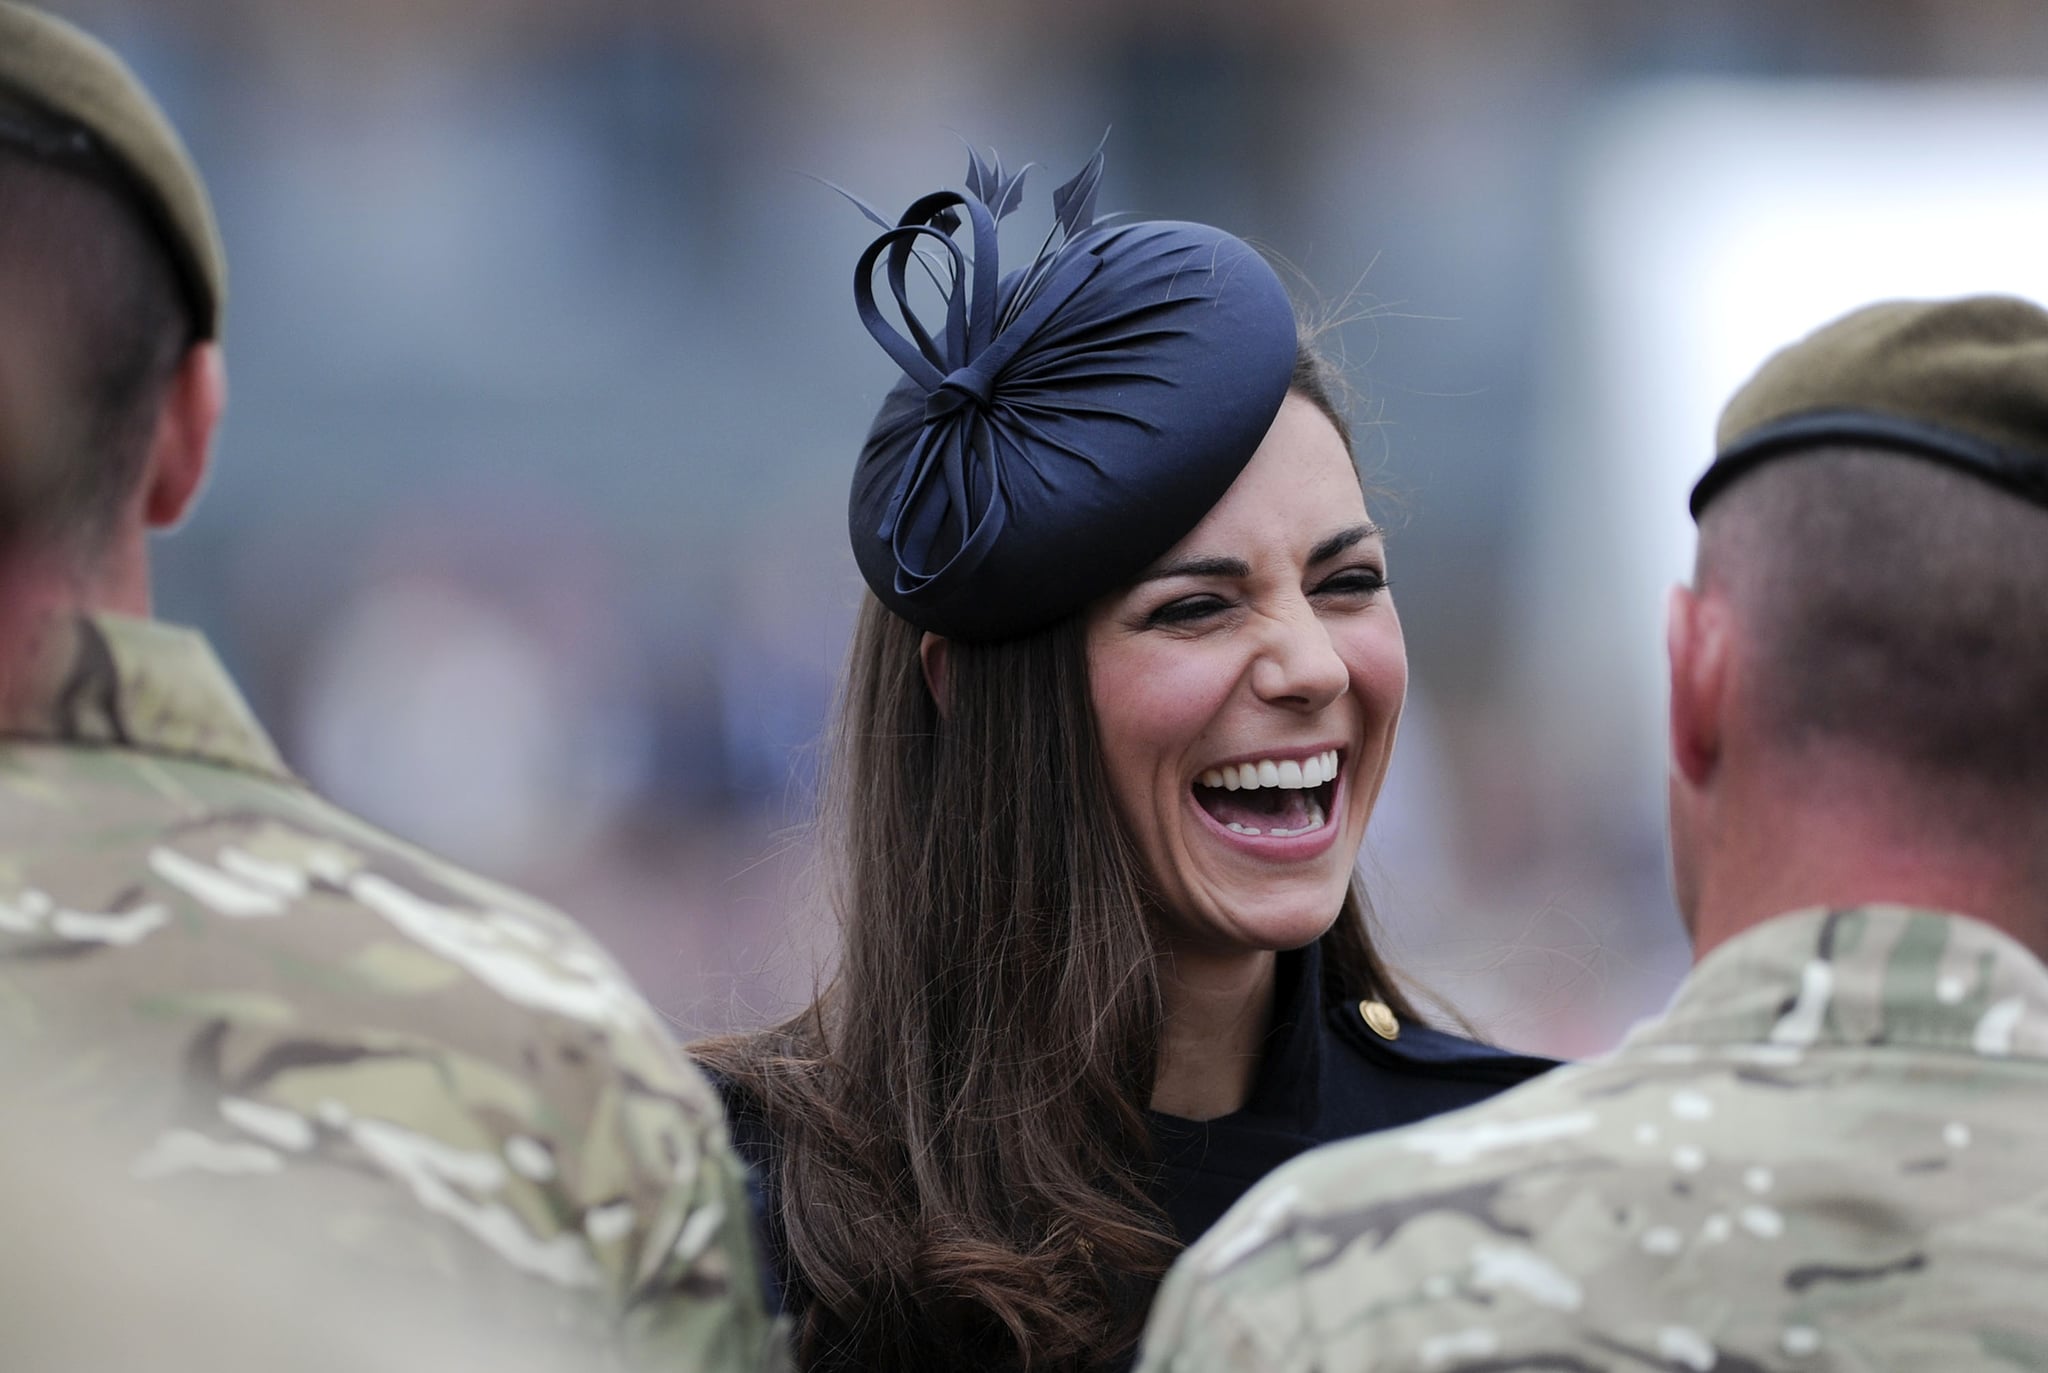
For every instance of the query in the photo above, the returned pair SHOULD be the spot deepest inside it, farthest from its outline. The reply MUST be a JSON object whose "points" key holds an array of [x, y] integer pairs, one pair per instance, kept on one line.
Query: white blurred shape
{"points": [[439, 715], [1720, 221]]}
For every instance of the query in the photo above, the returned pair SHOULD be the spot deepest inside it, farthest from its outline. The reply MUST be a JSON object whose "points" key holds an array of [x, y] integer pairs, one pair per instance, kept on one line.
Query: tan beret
{"points": [[1959, 382], [57, 67]]}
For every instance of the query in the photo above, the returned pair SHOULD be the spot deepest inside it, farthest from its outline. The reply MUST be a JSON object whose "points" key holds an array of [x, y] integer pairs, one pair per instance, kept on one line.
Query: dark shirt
{"points": [[1325, 1076]]}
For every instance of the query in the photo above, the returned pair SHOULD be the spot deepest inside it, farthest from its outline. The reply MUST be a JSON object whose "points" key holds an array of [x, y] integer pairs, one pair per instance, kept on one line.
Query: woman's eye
{"points": [[1187, 610], [1354, 581]]}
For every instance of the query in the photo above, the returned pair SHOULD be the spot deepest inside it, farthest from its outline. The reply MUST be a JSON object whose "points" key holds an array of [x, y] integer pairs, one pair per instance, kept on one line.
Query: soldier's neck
{"points": [[118, 581], [39, 587], [1850, 843]]}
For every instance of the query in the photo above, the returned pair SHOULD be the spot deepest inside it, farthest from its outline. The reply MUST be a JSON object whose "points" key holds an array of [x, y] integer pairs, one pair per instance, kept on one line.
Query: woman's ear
{"points": [[935, 654]]}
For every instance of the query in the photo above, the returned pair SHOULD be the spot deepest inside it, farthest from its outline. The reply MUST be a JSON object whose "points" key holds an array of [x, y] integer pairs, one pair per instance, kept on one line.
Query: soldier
{"points": [[263, 1004], [1832, 1151]]}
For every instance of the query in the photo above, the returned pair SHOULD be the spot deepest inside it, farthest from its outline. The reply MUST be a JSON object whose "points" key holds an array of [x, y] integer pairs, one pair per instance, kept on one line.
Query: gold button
{"points": [[1379, 1018]]}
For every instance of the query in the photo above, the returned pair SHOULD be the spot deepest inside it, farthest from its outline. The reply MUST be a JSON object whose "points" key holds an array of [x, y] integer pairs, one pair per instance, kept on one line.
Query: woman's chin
{"points": [[1263, 922]]}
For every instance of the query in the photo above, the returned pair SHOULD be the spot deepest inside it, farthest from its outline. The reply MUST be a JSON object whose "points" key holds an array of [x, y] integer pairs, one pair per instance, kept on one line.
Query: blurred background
{"points": [[527, 537]]}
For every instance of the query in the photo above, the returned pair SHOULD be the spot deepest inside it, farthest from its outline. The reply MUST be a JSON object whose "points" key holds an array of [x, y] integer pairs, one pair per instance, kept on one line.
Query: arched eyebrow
{"points": [[1334, 546], [1200, 567], [1340, 542]]}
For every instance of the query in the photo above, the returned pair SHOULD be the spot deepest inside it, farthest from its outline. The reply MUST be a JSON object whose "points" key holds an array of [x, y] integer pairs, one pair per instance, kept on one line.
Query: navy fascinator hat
{"points": [[1067, 423]]}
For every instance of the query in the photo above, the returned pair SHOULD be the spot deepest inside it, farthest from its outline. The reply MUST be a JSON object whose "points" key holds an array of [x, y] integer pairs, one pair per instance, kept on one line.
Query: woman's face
{"points": [[1231, 676]]}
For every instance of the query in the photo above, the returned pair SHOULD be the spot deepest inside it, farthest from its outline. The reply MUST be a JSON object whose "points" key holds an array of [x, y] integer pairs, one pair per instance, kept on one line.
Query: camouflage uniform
{"points": [[97, 1278], [269, 1002], [1831, 1153]]}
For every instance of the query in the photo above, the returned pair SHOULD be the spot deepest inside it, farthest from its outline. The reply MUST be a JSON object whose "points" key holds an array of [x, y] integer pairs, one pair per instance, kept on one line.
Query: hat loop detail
{"points": [[954, 481], [962, 385]]}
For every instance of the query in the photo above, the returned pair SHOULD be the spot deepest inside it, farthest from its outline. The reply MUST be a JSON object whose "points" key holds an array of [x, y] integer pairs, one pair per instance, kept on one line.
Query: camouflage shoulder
{"points": [[269, 991]]}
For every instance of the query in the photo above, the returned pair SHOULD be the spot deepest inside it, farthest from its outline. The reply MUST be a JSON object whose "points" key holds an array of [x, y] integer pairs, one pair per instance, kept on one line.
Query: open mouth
{"points": [[1276, 798]]}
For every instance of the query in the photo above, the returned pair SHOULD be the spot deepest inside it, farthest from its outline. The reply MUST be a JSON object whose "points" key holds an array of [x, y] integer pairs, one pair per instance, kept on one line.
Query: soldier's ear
{"points": [[181, 447], [934, 654], [1696, 638]]}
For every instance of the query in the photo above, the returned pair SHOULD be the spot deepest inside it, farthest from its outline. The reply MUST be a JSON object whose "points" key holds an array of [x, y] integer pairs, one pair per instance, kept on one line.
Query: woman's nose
{"points": [[1298, 664]]}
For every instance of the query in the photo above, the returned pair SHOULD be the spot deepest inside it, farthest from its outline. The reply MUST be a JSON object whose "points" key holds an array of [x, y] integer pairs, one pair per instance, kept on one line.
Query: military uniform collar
{"points": [[115, 682], [1862, 975]]}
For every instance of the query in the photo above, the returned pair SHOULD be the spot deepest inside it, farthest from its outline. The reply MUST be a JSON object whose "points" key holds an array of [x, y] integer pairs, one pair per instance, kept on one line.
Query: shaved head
{"points": [[93, 324], [1897, 610]]}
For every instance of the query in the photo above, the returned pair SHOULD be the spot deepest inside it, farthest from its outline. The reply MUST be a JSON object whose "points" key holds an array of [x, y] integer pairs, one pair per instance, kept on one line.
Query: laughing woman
{"points": [[1115, 719]]}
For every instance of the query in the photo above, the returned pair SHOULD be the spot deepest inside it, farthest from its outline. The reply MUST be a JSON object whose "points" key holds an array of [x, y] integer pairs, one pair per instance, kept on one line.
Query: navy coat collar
{"points": [[1325, 1076]]}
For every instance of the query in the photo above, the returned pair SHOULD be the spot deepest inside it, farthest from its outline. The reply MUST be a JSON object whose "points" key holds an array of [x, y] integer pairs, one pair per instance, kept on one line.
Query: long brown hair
{"points": [[962, 1155]]}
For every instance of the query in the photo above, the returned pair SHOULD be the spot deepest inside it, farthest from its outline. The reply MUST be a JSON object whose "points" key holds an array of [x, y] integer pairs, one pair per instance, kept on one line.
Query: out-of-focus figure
{"points": [[22, 560], [128, 1275], [262, 1006], [1832, 1151]]}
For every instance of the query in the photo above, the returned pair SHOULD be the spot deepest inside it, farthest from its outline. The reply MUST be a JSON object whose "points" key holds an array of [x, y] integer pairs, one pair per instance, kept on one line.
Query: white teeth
{"points": [[1316, 820], [1290, 775], [1247, 829]]}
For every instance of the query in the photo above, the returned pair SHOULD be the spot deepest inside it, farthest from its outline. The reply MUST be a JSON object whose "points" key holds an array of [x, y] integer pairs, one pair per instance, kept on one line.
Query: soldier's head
{"points": [[1867, 636], [110, 295]]}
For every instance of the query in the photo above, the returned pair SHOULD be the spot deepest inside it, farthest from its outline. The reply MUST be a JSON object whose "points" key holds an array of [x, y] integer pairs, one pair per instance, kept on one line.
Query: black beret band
{"points": [[1963, 383], [2023, 474]]}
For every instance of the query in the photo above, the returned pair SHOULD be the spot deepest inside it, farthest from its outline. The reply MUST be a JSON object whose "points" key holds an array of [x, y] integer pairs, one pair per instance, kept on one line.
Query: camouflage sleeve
{"points": [[1460, 1244], [1295, 1301], [699, 1303], [1199, 1325]]}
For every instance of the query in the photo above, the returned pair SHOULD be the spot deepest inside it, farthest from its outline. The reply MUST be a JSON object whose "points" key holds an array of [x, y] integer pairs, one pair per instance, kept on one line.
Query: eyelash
{"points": [[1355, 581]]}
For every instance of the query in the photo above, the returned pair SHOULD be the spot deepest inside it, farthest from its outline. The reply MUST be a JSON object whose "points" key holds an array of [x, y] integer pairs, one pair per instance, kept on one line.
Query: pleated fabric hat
{"points": [[1064, 424]]}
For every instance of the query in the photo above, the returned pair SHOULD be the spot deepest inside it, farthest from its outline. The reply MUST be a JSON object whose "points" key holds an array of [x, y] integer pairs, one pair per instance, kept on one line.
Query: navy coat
{"points": [[1325, 1075]]}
